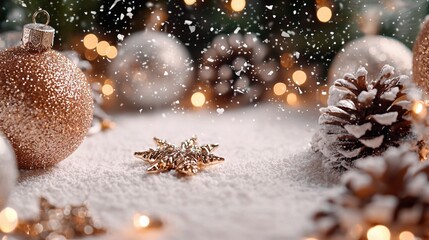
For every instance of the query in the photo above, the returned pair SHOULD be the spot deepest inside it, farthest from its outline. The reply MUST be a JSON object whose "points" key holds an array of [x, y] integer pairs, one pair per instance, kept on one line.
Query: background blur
{"points": [[300, 35]]}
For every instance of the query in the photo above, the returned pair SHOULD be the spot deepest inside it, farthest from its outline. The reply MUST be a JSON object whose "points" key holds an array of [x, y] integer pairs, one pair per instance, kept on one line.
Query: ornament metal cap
{"points": [[38, 36]]}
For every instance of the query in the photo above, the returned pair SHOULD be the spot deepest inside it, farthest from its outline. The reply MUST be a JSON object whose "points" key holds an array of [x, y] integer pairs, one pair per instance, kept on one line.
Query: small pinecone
{"points": [[390, 190], [365, 118], [236, 69]]}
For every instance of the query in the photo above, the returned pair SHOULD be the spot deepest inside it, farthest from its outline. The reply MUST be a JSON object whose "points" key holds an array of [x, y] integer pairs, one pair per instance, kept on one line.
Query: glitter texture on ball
{"points": [[421, 57], [45, 105]]}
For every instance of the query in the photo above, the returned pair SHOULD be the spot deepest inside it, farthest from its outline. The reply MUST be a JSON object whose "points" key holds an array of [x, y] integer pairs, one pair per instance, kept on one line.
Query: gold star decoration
{"points": [[69, 222], [188, 158]]}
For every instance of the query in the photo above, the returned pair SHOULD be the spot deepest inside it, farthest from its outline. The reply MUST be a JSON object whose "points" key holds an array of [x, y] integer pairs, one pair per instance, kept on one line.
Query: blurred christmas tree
{"points": [[399, 19], [67, 17], [284, 25], [304, 36], [314, 29]]}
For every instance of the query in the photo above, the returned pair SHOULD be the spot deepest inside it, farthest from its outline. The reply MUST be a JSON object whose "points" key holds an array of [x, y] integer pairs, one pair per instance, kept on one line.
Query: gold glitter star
{"points": [[69, 222], [188, 158]]}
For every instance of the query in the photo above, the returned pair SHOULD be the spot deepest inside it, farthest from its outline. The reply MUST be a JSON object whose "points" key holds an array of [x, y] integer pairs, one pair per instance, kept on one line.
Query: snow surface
{"points": [[268, 187]]}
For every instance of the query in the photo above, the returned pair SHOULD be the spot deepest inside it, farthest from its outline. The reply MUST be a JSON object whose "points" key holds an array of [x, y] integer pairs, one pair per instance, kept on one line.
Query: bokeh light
{"points": [[8, 220], [299, 77], [378, 232], [90, 41], [190, 2], [111, 52], [279, 88], [141, 221], [418, 107], [107, 89], [198, 99], [292, 99], [419, 110], [238, 5], [406, 235], [102, 48], [147, 222], [324, 14]]}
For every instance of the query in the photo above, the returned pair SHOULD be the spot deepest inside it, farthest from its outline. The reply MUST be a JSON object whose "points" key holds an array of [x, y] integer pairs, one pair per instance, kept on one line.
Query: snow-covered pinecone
{"points": [[365, 118], [390, 190]]}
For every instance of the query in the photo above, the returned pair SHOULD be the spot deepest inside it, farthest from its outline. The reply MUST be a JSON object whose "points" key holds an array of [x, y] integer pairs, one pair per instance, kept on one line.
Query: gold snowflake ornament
{"points": [[188, 158]]}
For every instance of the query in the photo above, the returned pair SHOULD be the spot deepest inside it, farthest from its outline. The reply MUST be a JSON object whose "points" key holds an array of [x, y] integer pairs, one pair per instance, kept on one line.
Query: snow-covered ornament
{"points": [[365, 118], [371, 52], [45, 101], [152, 70], [8, 170], [237, 70], [74, 56], [421, 57], [10, 39], [388, 191]]}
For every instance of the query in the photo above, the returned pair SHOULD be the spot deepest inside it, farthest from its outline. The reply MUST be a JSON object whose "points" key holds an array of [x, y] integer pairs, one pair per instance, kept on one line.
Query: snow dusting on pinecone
{"points": [[391, 190], [365, 118]]}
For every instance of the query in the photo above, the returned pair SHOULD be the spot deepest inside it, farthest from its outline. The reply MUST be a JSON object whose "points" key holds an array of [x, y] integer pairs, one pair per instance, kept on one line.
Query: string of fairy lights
{"points": [[95, 48]]}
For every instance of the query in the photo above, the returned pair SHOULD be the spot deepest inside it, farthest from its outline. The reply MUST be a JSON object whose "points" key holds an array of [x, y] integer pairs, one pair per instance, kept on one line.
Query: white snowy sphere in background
{"points": [[8, 170], [10, 39], [371, 52], [152, 70]]}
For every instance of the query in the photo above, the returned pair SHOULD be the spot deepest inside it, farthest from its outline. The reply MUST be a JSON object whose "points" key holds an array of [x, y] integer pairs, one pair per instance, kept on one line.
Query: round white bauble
{"points": [[152, 70], [371, 52], [8, 170]]}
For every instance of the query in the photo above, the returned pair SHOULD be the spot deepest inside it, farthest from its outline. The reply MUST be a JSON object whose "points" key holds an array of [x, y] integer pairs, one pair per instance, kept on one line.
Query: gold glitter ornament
{"points": [[45, 101], [421, 57]]}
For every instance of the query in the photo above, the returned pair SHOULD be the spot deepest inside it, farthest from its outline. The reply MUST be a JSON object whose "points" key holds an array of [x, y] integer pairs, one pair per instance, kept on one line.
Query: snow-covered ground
{"points": [[267, 188]]}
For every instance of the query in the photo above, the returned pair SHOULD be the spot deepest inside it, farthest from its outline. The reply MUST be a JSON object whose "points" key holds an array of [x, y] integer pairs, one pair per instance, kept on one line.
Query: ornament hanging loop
{"points": [[48, 17], [37, 36]]}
